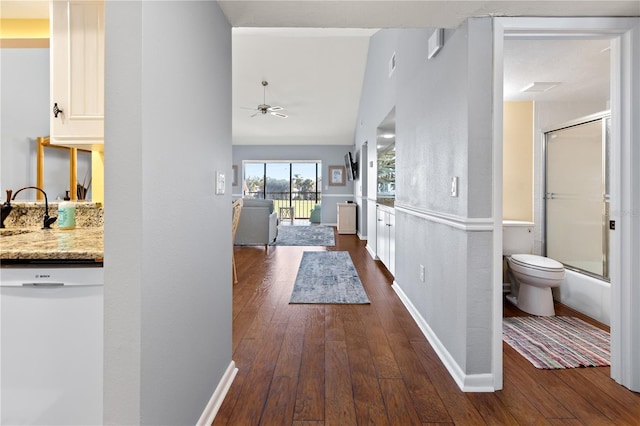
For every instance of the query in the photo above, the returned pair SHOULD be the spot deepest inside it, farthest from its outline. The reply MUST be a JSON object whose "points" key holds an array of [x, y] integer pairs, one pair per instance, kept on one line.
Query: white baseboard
{"points": [[215, 402], [371, 252], [466, 382]]}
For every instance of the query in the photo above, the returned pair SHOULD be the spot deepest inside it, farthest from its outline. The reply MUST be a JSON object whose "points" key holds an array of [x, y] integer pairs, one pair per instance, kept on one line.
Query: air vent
{"points": [[435, 42], [540, 86]]}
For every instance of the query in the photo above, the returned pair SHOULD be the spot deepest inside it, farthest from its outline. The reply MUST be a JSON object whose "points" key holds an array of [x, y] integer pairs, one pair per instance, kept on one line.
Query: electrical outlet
{"points": [[422, 273]]}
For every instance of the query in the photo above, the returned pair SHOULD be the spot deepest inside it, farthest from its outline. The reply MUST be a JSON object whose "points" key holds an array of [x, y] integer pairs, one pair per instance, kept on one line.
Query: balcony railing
{"points": [[302, 202]]}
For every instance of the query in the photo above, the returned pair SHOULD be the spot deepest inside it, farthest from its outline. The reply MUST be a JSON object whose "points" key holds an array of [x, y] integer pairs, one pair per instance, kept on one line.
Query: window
{"points": [[290, 184]]}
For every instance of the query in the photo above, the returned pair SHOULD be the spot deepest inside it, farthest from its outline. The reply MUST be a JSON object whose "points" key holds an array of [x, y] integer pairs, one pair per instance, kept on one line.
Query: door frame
{"points": [[625, 186]]}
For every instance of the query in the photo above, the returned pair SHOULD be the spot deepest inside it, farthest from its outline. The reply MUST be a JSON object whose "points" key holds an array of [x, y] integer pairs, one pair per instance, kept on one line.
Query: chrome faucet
{"points": [[6, 208], [47, 220]]}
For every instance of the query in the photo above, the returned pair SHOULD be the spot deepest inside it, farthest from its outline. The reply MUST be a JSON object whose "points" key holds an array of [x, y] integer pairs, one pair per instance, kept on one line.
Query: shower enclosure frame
{"points": [[604, 117]]}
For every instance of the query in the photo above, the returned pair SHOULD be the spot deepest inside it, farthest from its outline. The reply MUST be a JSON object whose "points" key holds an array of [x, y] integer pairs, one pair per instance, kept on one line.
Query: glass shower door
{"points": [[576, 199]]}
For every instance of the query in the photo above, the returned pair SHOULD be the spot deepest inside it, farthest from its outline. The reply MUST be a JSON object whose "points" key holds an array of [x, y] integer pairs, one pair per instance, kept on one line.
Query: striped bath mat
{"points": [[557, 342]]}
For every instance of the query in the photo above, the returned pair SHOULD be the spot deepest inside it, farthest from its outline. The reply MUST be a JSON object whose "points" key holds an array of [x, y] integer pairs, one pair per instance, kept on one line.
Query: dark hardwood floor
{"points": [[370, 364]]}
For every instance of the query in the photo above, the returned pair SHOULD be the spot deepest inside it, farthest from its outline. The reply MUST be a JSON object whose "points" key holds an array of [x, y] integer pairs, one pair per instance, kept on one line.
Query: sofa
{"points": [[258, 223]]}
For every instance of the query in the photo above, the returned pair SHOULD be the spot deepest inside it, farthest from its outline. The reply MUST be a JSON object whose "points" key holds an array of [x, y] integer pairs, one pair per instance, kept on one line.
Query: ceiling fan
{"points": [[264, 108]]}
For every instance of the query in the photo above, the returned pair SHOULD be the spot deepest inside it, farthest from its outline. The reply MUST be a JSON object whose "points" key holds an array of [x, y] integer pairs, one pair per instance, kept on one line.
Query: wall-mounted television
{"points": [[352, 167]]}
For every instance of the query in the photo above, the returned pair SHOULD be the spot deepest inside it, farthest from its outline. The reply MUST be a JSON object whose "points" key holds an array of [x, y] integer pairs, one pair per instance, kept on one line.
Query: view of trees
{"points": [[278, 189]]}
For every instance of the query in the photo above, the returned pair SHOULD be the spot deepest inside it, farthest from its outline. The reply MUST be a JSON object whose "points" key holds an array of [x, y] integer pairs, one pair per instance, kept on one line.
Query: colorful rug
{"points": [[328, 277], [317, 235], [557, 342]]}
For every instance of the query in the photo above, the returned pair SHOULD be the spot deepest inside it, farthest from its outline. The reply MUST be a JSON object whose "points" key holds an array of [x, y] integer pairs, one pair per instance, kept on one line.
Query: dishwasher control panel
{"points": [[51, 276]]}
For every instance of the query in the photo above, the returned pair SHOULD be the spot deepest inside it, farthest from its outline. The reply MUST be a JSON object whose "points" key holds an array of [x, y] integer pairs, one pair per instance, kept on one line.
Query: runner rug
{"points": [[328, 277], [557, 342], [316, 235]]}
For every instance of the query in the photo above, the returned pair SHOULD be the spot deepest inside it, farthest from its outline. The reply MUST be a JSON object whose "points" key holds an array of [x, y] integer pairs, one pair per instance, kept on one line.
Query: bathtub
{"points": [[585, 294]]}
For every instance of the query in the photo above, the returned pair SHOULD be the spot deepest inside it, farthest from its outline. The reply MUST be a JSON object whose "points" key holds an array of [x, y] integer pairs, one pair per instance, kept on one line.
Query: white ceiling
{"points": [[581, 67], [316, 74]]}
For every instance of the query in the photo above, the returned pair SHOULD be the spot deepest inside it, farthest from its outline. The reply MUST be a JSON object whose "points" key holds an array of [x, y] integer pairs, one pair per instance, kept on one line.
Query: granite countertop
{"points": [[34, 243]]}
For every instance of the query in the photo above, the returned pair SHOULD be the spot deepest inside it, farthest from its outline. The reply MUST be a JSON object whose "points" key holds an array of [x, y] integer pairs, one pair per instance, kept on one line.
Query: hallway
{"points": [[371, 364]]}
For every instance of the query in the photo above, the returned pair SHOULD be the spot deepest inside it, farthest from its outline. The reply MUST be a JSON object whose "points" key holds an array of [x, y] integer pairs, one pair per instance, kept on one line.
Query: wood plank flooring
{"points": [[309, 365]]}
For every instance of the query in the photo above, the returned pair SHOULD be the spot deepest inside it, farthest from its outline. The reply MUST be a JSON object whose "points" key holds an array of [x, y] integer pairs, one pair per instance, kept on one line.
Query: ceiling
{"points": [[580, 67], [314, 74], [315, 67]]}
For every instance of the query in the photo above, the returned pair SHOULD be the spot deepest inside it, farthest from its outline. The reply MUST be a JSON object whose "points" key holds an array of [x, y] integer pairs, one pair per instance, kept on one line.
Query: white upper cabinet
{"points": [[77, 73]]}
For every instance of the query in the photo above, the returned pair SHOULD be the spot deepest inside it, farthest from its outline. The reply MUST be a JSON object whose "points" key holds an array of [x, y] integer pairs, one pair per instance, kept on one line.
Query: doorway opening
{"points": [[617, 34]]}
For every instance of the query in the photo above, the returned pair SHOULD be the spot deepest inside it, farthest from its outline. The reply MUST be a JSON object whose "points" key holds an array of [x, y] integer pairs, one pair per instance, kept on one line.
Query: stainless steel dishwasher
{"points": [[51, 341]]}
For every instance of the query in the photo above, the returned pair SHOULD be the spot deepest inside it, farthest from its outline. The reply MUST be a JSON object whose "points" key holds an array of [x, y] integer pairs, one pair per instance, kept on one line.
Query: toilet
{"points": [[532, 277]]}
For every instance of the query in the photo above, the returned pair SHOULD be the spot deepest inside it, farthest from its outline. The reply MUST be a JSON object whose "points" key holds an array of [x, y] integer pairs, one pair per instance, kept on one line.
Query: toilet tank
{"points": [[517, 237]]}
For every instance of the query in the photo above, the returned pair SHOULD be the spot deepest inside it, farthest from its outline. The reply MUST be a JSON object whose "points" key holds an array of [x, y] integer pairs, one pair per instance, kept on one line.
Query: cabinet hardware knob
{"points": [[56, 110]]}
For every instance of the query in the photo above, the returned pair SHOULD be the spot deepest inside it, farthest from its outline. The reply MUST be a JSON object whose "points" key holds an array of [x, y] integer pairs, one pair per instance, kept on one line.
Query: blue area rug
{"points": [[305, 236], [328, 277]]}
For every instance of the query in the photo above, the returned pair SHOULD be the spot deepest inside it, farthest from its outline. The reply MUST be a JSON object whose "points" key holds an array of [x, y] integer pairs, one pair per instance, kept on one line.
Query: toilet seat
{"points": [[537, 266]]}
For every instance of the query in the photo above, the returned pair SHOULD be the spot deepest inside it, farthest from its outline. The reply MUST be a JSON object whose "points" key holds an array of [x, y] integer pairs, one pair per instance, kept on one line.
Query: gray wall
{"points": [[24, 115], [443, 129], [378, 99], [330, 155], [167, 273]]}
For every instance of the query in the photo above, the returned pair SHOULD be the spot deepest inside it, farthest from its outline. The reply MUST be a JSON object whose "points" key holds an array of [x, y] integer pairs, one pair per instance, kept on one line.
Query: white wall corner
{"points": [[466, 382], [210, 411]]}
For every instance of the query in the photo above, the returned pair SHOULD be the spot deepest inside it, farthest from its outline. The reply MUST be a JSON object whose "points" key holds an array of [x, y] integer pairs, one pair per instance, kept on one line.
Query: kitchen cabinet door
{"points": [[77, 73], [386, 239]]}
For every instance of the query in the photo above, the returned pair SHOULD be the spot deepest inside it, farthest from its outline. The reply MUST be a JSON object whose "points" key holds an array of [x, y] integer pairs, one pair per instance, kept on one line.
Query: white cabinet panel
{"points": [[77, 73], [386, 239]]}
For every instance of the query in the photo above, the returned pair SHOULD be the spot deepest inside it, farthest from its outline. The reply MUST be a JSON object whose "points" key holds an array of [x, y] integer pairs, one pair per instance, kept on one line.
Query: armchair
{"points": [[258, 223]]}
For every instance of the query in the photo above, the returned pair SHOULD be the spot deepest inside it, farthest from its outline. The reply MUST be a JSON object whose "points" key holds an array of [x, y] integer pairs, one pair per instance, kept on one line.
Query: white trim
{"points": [[625, 196], [362, 238], [210, 411], [497, 173], [469, 224], [372, 253], [466, 382], [325, 195]]}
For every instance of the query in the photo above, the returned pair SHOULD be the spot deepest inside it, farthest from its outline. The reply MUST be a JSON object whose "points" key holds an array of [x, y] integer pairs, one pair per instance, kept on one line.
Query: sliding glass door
{"points": [[577, 197], [290, 184]]}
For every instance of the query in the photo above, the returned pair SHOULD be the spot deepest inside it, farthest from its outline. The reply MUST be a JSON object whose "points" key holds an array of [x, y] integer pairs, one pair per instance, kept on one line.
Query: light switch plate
{"points": [[454, 186], [220, 183]]}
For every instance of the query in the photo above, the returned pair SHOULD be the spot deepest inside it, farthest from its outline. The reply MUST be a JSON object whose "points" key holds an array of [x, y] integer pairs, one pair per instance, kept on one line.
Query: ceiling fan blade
{"points": [[248, 108], [275, 108], [253, 115], [279, 114]]}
